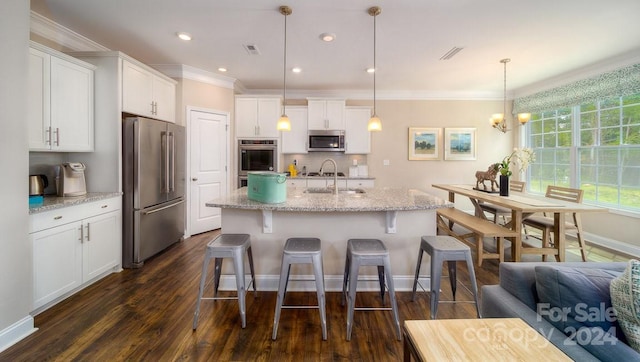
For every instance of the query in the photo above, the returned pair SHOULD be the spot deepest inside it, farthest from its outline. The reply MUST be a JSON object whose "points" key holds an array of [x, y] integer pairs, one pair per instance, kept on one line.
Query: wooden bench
{"points": [[480, 228]]}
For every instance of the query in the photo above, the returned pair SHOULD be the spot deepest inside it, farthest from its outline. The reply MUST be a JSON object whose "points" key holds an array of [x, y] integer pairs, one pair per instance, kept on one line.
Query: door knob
{"points": [[194, 179]]}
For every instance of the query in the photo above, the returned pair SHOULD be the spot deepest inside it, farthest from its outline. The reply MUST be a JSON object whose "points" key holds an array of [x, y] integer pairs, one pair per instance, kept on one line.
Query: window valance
{"points": [[621, 82]]}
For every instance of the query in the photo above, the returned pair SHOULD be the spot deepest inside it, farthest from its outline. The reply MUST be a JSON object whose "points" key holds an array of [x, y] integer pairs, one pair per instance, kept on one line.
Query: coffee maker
{"points": [[70, 180]]}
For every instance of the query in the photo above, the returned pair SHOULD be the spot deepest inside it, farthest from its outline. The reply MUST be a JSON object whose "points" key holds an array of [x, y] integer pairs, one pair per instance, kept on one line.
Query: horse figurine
{"points": [[488, 175]]}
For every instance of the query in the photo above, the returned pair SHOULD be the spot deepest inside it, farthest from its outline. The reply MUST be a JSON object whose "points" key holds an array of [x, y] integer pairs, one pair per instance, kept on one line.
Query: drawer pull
{"points": [[57, 218], [104, 206]]}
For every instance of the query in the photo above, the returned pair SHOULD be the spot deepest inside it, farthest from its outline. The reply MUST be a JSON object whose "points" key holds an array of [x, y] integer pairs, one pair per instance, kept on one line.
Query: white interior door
{"points": [[208, 168]]}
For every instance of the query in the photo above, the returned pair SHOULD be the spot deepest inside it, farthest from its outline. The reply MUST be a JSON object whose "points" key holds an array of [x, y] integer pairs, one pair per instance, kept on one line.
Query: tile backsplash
{"points": [[313, 160]]}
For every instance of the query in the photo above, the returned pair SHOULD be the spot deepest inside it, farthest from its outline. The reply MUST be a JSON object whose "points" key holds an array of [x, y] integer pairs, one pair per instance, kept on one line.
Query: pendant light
{"points": [[283, 123], [374, 122], [499, 120]]}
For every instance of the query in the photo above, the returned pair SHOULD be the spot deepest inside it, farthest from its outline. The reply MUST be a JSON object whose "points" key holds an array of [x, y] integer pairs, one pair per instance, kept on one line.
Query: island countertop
{"points": [[373, 199]]}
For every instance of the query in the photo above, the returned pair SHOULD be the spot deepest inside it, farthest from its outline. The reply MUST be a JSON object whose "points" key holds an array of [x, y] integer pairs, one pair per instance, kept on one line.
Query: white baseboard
{"points": [[612, 244], [16, 332], [332, 283]]}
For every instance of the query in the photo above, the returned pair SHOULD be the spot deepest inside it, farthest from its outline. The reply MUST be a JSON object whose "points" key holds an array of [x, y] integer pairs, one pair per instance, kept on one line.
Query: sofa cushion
{"points": [[574, 298], [625, 298]]}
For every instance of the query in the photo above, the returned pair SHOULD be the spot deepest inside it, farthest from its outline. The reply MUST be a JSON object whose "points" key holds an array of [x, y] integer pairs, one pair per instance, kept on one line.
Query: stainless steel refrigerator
{"points": [[153, 183]]}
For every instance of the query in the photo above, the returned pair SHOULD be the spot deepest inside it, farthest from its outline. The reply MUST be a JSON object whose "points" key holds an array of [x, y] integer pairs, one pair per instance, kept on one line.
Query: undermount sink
{"points": [[329, 190]]}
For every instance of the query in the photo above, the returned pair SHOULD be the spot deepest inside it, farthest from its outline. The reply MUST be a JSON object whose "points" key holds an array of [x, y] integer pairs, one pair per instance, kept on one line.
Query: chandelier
{"points": [[499, 120]]}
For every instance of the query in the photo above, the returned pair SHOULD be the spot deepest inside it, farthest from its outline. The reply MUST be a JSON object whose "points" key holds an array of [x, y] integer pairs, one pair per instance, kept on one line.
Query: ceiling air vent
{"points": [[252, 49], [451, 53]]}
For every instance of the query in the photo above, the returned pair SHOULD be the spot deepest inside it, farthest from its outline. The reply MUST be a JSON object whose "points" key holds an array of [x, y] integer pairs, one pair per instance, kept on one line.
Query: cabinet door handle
{"points": [[88, 229], [57, 132], [151, 107], [48, 136], [81, 233], [194, 179], [57, 217], [104, 206]]}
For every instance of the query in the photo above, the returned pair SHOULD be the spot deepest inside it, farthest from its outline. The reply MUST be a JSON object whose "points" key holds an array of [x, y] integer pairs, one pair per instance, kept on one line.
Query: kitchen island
{"points": [[397, 216]]}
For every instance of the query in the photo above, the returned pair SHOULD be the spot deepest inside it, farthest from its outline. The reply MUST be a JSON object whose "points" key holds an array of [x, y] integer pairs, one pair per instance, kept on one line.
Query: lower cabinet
{"points": [[69, 256]]}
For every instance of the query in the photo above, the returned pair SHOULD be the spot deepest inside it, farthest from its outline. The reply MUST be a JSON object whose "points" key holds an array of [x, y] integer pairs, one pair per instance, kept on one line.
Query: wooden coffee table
{"points": [[476, 340]]}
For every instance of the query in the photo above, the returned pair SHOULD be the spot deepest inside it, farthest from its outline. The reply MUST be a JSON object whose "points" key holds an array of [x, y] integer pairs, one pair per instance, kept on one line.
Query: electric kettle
{"points": [[37, 184]]}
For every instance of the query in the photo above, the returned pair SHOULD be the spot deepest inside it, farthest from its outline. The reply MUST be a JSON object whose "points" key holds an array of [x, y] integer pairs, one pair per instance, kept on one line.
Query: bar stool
{"points": [[443, 248], [301, 251], [227, 246], [362, 252]]}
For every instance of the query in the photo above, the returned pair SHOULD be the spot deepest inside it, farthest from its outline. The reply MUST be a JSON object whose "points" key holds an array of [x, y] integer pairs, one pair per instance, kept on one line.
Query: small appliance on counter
{"points": [[37, 184], [70, 180]]}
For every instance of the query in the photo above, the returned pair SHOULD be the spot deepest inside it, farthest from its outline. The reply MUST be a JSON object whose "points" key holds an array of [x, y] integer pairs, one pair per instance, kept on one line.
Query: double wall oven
{"points": [[256, 155]]}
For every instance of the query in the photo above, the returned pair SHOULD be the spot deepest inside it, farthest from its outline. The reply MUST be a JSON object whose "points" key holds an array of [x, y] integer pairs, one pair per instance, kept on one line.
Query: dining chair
{"points": [[499, 211], [545, 223]]}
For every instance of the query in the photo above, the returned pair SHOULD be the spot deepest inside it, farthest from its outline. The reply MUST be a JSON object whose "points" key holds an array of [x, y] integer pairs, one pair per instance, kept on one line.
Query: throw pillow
{"points": [[625, 298], [577, 302]]}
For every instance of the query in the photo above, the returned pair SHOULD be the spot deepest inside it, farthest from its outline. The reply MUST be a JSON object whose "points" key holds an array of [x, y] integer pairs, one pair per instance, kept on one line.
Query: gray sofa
{"points": [[519, 296]]}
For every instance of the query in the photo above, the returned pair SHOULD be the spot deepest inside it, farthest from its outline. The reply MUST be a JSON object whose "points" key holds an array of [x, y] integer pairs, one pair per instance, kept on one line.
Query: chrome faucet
{"points": [[335, 173]]}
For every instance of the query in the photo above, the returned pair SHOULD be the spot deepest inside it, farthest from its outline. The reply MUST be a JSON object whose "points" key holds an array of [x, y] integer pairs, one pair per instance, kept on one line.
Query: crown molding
{"points": [[57, 33], [355, 94], [197, 74]]}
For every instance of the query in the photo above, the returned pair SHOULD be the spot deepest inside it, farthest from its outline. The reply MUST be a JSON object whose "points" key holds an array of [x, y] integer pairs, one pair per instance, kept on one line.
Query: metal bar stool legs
{"points": [[227, 246], [362, 252], [301, 251], [443, 248]]}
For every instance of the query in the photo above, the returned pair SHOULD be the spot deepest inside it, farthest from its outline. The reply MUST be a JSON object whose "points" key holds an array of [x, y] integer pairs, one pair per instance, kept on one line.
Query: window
{"points": [[594, 146]]}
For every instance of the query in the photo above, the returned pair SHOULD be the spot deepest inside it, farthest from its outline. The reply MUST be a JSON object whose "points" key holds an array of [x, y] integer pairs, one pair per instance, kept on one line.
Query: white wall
{"points": [[15, 255]]}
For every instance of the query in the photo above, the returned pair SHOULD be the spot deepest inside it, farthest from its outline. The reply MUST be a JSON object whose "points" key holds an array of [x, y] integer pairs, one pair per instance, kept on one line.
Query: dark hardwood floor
{"points": [[146, 314]]}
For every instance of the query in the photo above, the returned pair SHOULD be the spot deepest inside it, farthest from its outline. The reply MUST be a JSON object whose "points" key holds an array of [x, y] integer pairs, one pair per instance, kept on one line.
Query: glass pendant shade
{"points": [[375, 124], [524, 117], [283, 123]]}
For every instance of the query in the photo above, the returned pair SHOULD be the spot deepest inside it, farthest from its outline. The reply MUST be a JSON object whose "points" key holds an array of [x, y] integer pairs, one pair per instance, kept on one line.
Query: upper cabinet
{"points": [[257, 117], [357, 136], [147, 94], [60, 113], [295, 141], [326, 114]]}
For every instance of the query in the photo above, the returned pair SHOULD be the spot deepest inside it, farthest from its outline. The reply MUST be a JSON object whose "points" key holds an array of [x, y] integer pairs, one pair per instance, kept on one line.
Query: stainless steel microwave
{"points": [[326, 141]]}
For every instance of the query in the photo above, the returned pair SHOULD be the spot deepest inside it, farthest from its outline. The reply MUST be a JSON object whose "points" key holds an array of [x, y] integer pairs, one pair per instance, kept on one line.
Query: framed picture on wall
{"points": [[459, 143], [425, 143]]}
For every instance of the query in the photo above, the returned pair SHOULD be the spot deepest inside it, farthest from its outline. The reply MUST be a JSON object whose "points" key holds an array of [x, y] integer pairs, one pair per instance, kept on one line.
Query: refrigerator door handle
{"points": [[162, 208], [164, 173], [172, 165]]}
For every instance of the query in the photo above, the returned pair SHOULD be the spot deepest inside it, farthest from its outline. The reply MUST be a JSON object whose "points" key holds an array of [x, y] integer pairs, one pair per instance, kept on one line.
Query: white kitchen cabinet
{"points": [[73, 247], [257, 117], [311, 182], [61, 102], [57, 262], [360, 183], [295, 141], [357, 136], [296, 182], [326, 114], [147, 94]]}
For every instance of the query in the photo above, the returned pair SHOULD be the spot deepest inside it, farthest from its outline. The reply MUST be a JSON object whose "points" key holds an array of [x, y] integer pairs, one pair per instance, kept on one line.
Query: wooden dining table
{"points": [[523, 205]]}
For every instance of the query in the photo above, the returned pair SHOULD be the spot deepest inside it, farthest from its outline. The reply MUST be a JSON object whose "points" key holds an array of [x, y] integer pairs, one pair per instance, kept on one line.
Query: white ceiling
{"points": [[543, 38]]}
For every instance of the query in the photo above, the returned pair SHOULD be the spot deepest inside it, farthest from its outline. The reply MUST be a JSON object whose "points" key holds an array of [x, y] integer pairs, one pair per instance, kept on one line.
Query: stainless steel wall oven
{"points": [[256, 155]]}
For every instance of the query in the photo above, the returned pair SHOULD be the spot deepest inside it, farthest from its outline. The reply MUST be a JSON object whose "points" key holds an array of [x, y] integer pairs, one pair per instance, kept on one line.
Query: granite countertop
{"points": [[54, 202], [374, 199]]}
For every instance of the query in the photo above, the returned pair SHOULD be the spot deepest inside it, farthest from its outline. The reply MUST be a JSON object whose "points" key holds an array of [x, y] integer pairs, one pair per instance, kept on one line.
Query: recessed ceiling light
{"points": [[222, 69], [327, 37], [296, 70], [184, 36], [371, 70]]}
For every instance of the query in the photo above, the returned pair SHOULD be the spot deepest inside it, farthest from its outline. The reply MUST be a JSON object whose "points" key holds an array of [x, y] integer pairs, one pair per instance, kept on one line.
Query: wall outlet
{"points": [[386, 162]]}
